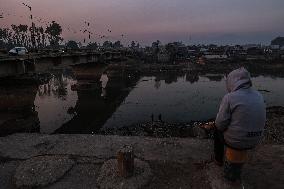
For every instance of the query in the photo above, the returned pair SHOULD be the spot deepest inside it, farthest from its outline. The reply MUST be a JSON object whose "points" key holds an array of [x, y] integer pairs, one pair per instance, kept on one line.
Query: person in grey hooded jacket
{"points": [[242, 114]]}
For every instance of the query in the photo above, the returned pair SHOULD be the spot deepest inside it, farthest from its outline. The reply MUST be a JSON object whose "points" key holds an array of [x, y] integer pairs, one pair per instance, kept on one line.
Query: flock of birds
{"points": [[86, 30]]}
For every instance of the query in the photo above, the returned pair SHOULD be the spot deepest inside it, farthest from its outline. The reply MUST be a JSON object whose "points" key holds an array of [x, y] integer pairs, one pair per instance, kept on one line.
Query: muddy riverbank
{"points": [[274, 129], [255, 68]]}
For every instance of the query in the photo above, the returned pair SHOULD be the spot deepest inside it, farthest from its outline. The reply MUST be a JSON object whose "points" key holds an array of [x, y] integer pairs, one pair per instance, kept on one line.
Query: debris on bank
{"points": [[161, 129], [273, 134]]}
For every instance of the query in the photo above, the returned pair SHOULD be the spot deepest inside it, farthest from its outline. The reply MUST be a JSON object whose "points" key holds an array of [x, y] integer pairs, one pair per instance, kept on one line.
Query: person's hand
{"points": [[208, 126]]}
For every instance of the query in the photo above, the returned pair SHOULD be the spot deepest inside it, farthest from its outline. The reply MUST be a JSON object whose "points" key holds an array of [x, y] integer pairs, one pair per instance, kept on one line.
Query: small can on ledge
{"points": [[125, 161]]}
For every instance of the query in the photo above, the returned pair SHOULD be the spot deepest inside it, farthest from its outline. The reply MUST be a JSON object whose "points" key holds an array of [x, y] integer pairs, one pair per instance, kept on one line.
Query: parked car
{"points": [[18, 51]]}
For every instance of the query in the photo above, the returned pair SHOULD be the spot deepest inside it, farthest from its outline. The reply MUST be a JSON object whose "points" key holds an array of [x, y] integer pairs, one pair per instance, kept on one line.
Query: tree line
{"points": [[32, 37]]}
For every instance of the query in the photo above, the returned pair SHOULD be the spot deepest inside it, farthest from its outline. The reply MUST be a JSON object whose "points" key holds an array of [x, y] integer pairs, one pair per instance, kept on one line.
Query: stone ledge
{"points": [[109, 177], [25, 146], [41, 171]]}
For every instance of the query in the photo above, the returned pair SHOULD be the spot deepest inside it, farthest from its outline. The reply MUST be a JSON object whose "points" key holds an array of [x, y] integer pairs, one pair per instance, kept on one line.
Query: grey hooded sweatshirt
{"points": [[242, 112]]}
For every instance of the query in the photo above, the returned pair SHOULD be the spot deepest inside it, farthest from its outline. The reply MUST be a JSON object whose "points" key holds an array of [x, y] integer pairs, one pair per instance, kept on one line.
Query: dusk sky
{"points": [[190, 21]]}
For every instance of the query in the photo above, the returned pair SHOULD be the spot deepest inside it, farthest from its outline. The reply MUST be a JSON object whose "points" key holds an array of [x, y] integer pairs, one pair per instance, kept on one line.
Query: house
{"points": [[275, 47], [215, 55], [278, 41], [250, 46], [163, 57], [255, 53]]}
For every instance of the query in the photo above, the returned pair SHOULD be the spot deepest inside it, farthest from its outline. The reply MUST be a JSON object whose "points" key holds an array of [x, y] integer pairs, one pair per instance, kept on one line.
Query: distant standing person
{"points": [[104, 81], [152, 117], [160, 117], [239, 123]]}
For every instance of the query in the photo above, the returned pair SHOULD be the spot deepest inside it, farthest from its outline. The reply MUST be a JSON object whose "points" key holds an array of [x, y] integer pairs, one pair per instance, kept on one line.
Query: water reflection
{"points": [[17, 112], [104, 81], [57, 87], [179, 101], [54, 102], [184, 101], [157, 83], [86, 102], [192, 77], [93, 109]]}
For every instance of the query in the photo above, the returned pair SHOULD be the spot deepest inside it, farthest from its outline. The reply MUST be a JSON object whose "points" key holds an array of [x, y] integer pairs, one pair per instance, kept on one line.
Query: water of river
{"points": [[181, 100]]}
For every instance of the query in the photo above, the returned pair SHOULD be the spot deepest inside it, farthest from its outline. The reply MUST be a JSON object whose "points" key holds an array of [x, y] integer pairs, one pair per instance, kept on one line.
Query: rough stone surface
{"points": [[109, 176], [6, 174], [265, 168], [80, 176], [88, 160], [41, 171], [199, 132], [175, 162], [216, 178], [24, 146], [274, 129]]}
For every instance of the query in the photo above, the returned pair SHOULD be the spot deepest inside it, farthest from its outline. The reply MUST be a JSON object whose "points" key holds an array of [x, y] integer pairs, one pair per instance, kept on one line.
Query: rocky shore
{"points": [[274, 130]]}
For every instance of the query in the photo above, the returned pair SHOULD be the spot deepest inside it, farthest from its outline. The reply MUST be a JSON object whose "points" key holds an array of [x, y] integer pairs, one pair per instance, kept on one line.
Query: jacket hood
{"points": [[237, 79]]}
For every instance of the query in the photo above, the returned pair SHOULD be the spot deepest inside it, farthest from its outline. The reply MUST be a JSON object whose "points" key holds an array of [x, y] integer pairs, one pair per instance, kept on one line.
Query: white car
{"points": [[18, 51]]}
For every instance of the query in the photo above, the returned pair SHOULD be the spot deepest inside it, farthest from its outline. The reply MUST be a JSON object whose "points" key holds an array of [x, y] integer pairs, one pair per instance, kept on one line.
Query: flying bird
{"points": [[28, 6]]}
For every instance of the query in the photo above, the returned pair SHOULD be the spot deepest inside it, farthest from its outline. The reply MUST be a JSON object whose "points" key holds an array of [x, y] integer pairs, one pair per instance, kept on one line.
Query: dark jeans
{"points": [[219, 145], [232, 171]]}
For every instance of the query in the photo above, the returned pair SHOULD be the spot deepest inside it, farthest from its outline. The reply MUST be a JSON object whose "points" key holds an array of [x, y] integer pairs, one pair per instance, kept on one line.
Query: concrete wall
{"points": [[43, 64], [11, 68]]}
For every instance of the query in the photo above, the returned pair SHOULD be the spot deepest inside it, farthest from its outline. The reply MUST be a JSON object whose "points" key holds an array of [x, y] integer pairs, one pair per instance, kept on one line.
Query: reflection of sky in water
{"points": [[53, 101], [180, 101], [183, 101], [274, 96]]}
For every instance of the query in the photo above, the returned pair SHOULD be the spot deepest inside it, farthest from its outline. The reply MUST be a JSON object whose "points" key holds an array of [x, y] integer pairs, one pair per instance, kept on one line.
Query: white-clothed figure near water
{"points": [[104, 81]]}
